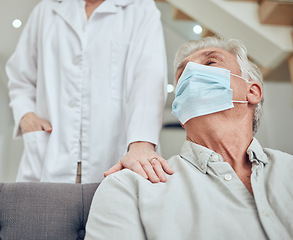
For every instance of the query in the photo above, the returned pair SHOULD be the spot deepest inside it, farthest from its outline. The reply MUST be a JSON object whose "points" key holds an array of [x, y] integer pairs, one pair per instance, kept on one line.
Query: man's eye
{"points": [[210, 62]]}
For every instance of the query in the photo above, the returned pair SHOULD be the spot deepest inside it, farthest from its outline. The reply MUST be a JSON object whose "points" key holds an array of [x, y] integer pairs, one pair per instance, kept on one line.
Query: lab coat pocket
{"points": [[35, 147], [117, 70]]}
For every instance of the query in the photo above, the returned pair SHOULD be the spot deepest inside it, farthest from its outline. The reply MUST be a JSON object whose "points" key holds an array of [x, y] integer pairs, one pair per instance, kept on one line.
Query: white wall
{"points": [[276, 129], [10, 149]]}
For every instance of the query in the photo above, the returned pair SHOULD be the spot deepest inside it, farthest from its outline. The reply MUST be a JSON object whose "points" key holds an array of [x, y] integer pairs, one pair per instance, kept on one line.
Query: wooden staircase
{"points": [[265, 27]]}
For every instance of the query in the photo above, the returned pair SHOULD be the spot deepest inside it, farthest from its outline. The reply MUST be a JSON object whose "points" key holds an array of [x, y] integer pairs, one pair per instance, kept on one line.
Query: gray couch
{"points": [[43, 211]]}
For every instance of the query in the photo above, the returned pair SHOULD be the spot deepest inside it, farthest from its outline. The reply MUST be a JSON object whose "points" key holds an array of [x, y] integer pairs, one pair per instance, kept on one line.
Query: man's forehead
{"points": [[203, 53], [208, 51]]}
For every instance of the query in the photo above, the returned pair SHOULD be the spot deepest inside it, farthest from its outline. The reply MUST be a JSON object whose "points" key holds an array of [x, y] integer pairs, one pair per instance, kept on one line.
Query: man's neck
{"points": [[230, 140], [230, 144], [227, 135]]}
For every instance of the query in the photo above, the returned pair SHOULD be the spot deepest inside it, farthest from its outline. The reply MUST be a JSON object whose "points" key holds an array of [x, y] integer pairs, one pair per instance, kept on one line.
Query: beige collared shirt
{"points": [[203, 199]]}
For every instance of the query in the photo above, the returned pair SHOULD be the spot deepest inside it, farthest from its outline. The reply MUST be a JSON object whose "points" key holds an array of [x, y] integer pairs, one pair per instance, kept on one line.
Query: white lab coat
{"points": [[101, 86]]}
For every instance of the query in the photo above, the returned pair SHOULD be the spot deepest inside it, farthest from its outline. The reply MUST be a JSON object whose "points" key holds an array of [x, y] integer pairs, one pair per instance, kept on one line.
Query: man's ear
{"points": [[254, 94]]}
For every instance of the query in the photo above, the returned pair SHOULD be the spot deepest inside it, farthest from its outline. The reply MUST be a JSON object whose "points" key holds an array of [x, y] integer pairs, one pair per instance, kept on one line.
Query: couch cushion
{"points": [[42, 211]]}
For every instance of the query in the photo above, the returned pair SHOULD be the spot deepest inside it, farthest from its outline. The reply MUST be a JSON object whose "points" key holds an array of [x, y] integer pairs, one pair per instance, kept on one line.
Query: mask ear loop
{"points": [[240, 101], [245, 81], [239, 77]]}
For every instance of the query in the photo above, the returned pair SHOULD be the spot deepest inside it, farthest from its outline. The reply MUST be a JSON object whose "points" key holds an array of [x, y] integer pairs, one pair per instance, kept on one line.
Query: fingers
{"points": [[154, 168], [142, 159], [117, 167], [161, 166], [31, 122], [143, 169], [139, 169], [157, 167], [46, 126], [151, 173], [165, 165]]}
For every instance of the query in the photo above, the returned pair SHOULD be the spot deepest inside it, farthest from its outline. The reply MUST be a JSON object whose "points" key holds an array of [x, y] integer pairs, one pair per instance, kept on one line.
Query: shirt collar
{"points": [[111, 6], [123, 3], [108, 6], [113, 3], [255, 152], [199, 156]]}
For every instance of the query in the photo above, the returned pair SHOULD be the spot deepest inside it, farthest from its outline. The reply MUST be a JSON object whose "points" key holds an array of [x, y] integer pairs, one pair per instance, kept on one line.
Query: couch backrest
{"points": [[43, 211]]}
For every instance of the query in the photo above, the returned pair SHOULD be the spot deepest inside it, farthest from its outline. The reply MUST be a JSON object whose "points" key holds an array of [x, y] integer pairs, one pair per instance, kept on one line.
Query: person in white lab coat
{"points": [[87, 84]]}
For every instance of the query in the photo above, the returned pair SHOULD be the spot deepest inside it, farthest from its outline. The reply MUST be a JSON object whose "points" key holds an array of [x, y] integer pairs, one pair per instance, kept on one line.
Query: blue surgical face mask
{"points": [[202, 90]]}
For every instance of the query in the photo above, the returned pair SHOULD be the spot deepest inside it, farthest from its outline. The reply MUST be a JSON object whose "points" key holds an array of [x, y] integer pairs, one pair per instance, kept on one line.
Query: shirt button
{"points": [[265, 213], [77, 60], [202, 166], [72, 104], [215, 158], [228, 177]]}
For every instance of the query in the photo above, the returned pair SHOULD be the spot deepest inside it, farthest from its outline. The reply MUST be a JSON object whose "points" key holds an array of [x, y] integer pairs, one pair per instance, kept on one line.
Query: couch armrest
{"points": [[43, 211]]}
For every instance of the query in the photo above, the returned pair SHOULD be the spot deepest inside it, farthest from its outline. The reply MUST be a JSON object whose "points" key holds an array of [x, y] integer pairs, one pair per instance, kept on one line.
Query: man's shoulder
{"points": [[277, 155], [126, 178], [279, 161], [268, 155]]}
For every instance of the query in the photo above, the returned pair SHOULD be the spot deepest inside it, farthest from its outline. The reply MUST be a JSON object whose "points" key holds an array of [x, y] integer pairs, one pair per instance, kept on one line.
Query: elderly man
{"points": [[225, 185]]}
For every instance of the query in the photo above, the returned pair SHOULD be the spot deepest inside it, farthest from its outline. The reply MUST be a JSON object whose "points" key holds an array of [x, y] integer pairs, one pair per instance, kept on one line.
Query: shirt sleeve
{"points": [[147, 84], [21, 70], [114, 212]]}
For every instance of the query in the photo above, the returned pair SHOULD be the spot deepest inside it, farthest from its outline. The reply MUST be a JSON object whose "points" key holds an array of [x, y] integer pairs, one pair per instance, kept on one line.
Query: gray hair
{"points": [[248, 69]]}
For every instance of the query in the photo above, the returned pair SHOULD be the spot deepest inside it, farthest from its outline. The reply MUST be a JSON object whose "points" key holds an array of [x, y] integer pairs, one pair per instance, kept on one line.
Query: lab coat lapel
{"points": [[123, 3], [107, 6], [111, 6], [68, 10], [69, 16]]}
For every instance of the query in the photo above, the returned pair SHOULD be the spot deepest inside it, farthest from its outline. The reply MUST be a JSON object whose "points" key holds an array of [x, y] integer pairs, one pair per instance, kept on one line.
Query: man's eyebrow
{"points": [[203, 54], [209, 53]]}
